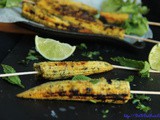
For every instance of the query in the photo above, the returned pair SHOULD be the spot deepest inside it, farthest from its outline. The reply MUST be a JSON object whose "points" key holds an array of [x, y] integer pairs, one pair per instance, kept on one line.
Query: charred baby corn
{"points": [[115, 18], [68, 15], [117, 92], [60, 70]]}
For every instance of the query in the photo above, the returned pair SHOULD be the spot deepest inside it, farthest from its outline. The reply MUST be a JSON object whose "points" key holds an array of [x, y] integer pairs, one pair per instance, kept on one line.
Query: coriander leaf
{"points": [[143, 66], [90, 54], [136, 25], [121, 6], [81, 77], [130, 78], [13, 79]]}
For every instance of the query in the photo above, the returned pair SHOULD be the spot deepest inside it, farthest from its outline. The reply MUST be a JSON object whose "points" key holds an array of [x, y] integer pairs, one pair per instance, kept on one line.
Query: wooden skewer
{"points": [[143, 39], [18, 73], [154, 23], [133, 69], [36, 72], [145, 92]]}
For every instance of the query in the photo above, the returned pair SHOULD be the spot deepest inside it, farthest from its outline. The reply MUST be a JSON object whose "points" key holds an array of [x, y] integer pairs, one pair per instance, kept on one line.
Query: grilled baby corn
{"points": [[60, 70], [70, 16], [115, 18], [117, 92]]}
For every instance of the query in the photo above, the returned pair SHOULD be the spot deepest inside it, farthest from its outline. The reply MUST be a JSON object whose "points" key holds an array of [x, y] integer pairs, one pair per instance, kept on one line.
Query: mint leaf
{"points": [[13, 79], [142, 107], [143, 66]]}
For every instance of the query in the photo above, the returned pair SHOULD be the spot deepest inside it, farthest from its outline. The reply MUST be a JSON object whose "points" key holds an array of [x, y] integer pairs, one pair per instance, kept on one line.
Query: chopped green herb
{"points": [[13, 79], [82, 46], [143, 66], [142, 107], [138, 99], [130, 78], [91, 54], [81, 77], [31, 56], [143, 97], [105, 112]]}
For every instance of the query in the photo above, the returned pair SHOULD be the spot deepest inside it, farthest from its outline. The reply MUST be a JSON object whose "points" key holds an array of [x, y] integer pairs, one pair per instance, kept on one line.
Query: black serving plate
{"points": [[83, 37], [13, 108]]}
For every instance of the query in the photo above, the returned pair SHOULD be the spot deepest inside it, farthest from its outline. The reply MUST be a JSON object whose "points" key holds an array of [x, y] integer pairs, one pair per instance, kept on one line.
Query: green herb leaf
{"points": [[143, 66], [31, 56], [82, 46], [143, 97], [13, 79], [130, 78], [10, 3], [2, 3], [105, 112], [143, 108], [136, 25], [138, 99], [81, 77], [94, 81], [91, 54], [121, 6]]}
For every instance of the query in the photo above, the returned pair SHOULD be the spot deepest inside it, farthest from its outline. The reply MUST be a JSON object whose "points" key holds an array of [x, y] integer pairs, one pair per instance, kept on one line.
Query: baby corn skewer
{"points": [[60, 70], [117, 92], [119, 18], [101, 90], [73, 16]]}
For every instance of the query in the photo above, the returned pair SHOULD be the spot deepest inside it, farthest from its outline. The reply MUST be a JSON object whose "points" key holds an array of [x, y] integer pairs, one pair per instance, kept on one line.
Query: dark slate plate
{"points": [[72, 36], [12, 108]]}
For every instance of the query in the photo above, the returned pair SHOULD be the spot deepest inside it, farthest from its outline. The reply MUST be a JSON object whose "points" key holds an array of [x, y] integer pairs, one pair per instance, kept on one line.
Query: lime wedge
{"points": [[154, 57], [52, 49]]}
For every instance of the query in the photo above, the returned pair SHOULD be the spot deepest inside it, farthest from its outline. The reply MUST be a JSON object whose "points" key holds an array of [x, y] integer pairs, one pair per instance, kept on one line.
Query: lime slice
{"points": [[52, 49], [154, 57]]}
